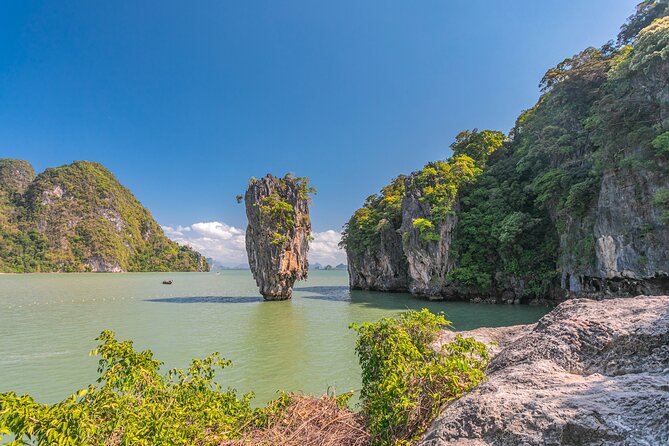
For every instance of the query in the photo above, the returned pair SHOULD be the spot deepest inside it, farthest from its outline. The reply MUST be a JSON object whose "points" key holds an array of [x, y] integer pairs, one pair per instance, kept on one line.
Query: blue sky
{"points": [[185, 101]]}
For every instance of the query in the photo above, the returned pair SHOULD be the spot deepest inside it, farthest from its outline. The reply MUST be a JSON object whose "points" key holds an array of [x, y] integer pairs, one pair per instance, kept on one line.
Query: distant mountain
{"points": [[77, 218], [217, 266], [318, 266]]}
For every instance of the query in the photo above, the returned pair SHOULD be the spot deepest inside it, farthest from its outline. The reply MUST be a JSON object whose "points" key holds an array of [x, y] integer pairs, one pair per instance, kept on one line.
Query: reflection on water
{"points": [[207, 300], [48, 324], [333, 293]]}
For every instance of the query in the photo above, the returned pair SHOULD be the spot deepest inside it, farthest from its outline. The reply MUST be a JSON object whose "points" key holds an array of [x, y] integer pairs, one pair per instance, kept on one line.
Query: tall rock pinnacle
{"points": [[277, 238]]}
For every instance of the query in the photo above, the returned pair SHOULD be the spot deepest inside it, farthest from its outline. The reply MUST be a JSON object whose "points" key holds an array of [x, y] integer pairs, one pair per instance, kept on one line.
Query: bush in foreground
{"points": [[406, 381]]}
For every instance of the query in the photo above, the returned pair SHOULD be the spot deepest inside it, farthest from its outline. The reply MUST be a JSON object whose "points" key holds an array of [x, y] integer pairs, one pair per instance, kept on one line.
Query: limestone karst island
{"points": [[322, 224]]}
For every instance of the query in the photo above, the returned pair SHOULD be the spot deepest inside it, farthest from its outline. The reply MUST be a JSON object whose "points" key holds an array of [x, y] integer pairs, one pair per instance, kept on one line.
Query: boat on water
{"points": [[167, 282]]}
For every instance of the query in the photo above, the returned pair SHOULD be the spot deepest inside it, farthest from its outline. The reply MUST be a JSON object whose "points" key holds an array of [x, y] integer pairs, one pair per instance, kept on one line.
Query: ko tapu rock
{"points": [[279, 229]]}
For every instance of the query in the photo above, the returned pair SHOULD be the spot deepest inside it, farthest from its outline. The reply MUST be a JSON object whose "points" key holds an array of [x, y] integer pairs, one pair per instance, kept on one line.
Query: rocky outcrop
{"points": [[403, 260], [429, 260], [629, 237], [277, 238], [382, 268], [588, 373]]}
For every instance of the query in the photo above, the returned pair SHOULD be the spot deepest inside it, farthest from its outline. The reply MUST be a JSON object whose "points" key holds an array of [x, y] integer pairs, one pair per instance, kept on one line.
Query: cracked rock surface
{"points": [[588, 373]]}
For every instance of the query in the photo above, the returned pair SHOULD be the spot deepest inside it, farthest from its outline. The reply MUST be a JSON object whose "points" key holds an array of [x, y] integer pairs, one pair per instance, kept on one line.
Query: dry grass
{"points": [[309, 421]]}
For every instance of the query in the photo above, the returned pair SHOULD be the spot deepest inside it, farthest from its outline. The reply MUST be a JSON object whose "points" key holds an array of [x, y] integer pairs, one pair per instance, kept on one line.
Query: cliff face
{"points": [[574, 203], [78, 217], [401, 240], [630, 238], [277, 238], [428, 256], [382, 268]]}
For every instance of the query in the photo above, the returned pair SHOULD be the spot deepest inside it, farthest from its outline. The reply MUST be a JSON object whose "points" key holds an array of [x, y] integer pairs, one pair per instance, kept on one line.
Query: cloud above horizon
{"points": [[226, 244]]}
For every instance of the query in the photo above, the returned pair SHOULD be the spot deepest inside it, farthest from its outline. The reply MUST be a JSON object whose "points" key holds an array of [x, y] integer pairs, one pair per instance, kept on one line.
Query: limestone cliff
{"points": [[382, 268], [78, 218], [575, 202], [279, 229], [428, 255]]}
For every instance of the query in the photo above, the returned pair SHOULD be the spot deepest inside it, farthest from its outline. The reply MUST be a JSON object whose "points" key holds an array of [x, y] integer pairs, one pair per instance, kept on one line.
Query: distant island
{"points": [[79, 218], [318, 266]]}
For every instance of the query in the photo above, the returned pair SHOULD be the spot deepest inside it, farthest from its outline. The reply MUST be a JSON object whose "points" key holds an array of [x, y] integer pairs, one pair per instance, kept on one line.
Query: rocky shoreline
{"points": [[588, 373]]}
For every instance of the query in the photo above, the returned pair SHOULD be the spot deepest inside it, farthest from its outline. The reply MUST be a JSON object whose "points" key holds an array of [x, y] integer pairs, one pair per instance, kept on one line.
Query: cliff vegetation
{"points": [[574, 201], [78, 218]]}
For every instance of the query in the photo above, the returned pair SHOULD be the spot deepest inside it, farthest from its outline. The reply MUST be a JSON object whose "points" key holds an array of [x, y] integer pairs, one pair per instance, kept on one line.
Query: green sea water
{"points": [[48, 323]]}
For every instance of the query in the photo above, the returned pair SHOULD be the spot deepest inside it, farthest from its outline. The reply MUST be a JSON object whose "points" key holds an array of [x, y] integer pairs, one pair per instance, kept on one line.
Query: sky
{"points": [[185, 101]]}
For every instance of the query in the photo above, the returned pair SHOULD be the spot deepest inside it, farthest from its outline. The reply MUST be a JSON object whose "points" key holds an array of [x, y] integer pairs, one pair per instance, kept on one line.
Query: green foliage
{"points": [[69, 217], [603, 111], [405, 381], [278, 215], [646, 12], [661, 200], [362, 231], [437, 183], [440, 181], [426, 230], [478, 145], [405, 384], [502, 235], [135, 405], [661, 144], [599, 108]]}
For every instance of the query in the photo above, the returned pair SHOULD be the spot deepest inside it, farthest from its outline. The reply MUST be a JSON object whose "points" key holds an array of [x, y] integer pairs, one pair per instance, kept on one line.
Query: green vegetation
{"points": [[277, 214], [384, 211], [77, 218], [426, 230], [405, 384], [597, 107], [527, 202], [405, 381], [134, 404], [436, 185], [661, 200]]}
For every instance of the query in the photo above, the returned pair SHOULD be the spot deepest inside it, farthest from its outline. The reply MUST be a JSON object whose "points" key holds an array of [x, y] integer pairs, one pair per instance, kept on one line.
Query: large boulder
{"points": [[277, 238], [588, 373]]}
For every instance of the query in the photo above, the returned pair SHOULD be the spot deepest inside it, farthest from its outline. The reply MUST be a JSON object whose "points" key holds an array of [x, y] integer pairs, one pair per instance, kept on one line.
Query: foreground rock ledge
{"points": [[277, 238], [588, 373]]}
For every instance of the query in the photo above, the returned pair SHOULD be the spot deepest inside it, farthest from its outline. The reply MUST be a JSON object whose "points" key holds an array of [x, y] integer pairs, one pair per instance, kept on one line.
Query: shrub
{"points": [[134, 404], [405, 381], [426, 230]]}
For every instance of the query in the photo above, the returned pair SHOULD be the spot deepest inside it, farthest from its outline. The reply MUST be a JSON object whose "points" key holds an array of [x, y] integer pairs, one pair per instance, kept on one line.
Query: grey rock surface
{"points": [[381, 269], [429, 261], [588, 373], [278, 251]]}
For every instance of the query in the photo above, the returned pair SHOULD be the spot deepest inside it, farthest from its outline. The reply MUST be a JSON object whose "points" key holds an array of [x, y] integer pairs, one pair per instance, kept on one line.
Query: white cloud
{"points": [[223, 243], [226, 245], [324, 248]]}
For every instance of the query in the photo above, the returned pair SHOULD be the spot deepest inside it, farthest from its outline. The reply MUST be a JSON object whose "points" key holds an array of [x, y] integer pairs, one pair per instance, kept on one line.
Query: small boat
{"points": [[167, 282]]}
